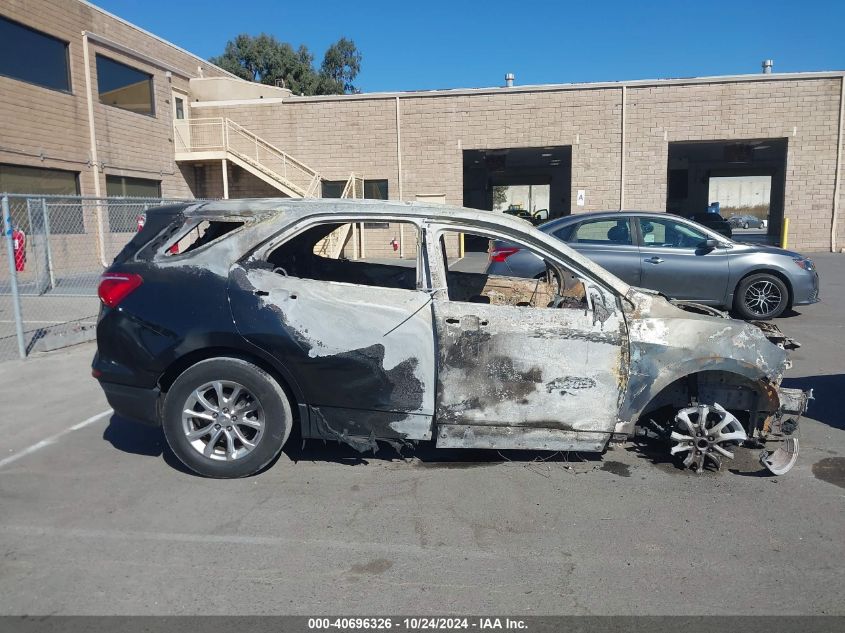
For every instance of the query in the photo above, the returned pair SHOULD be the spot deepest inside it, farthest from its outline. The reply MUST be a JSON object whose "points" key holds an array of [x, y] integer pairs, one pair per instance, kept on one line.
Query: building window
{"points": [[373, 189], [34, 180], [123, 216], [179, 105], [65, 216], [32, 56], [125, 187], [124, 87], [333, 188]]}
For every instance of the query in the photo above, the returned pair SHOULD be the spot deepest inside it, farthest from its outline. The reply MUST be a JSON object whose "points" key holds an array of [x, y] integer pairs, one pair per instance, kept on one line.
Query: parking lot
{"points": [[98, 518]]}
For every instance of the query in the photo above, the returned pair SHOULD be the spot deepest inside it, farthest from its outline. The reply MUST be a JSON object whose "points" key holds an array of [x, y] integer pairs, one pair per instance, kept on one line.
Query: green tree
{"points": [[341, 64], [265, 59]]}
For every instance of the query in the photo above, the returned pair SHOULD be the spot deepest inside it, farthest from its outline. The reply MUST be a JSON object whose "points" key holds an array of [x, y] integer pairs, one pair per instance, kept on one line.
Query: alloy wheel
{"points": [[223, 420], [762, 298], [705, 433]]}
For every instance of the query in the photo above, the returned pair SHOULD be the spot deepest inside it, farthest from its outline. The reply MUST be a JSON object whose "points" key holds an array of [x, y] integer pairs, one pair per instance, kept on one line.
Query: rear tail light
{"points": [[115, 287], [502, 253]]}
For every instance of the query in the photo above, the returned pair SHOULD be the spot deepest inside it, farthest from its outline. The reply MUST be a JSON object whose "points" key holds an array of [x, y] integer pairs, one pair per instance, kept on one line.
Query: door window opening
{"points": [[476, 280], [670, 234], [333, 252]]}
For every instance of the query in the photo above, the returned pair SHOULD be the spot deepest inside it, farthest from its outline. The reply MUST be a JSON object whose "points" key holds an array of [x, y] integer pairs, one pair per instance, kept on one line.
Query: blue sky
{"points": [[435, 44]]}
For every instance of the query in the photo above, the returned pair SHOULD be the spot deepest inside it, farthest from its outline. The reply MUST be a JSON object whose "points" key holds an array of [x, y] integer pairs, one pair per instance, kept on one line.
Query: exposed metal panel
{"points": [[528, 367], [514, 361], [510, 438]]}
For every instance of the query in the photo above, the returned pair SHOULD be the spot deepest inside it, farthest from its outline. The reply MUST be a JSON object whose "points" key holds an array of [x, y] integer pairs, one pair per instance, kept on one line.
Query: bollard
{"points": [[784, 233]]}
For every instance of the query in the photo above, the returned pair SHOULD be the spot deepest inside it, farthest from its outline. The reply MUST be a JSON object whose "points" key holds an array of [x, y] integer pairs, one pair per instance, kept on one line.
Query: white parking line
{"points": [[53, 438]]}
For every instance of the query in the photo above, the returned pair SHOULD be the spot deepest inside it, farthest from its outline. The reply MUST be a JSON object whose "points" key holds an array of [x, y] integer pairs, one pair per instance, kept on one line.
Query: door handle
{"points": [[654, 260], [260, 293], [469, 321]]}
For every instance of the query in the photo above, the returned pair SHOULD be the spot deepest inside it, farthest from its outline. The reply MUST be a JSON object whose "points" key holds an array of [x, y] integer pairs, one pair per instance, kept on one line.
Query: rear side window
{"points": [[564, 233], [172, 235], [199, 235], [605, 231], [380, 254]]}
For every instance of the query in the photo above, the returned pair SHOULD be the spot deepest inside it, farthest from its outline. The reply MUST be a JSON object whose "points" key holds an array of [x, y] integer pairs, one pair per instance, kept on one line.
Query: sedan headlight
{"points": [[804, 263]]}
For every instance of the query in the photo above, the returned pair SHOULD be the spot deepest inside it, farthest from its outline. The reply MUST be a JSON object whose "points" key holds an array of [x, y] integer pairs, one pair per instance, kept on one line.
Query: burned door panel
{"points": [[363, 355], [528, 367], [509, 360]]}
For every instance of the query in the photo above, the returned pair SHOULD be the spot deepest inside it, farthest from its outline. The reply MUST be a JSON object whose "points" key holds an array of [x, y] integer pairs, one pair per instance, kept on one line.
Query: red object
{"points": [[19, 246], [394, 244], [115, 287], [501, 254]]}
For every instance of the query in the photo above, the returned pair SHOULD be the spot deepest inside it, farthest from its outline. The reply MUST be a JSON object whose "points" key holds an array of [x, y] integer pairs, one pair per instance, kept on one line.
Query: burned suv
{"points": [[229, 323]]}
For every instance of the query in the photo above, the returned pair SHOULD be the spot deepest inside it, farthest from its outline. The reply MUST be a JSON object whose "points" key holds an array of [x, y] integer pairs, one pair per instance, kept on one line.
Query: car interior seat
{"points": [[619, 234]]}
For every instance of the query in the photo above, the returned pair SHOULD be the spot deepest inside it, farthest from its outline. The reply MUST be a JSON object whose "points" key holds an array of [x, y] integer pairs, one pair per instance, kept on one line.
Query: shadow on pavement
{"points": [[656, 451], [140, 439], [827, 392], [428, 455]]}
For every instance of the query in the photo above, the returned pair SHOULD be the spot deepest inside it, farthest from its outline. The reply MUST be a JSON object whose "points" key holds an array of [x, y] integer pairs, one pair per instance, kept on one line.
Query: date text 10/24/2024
{"points": [[417, 623]]}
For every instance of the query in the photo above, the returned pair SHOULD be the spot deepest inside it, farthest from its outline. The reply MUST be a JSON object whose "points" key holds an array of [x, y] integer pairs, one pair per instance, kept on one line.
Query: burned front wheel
{"points": [[704, 434], [225, 417]]}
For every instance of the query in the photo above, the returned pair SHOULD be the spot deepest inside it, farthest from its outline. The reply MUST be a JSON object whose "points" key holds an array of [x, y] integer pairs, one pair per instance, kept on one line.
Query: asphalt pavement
{"points": [[96, 516]]}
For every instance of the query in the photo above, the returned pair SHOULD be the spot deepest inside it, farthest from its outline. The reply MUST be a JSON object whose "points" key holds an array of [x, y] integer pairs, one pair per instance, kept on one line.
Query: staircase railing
{"points": [[333, 244], [354, 187], [223, 134]]}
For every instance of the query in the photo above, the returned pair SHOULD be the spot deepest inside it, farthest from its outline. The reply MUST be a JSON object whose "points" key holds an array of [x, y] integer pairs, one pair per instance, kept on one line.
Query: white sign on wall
{"points": [[579, 199]]}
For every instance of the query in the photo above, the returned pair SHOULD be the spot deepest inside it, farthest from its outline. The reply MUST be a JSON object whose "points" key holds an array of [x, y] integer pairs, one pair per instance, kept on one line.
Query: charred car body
{"points": [[230, 322]]}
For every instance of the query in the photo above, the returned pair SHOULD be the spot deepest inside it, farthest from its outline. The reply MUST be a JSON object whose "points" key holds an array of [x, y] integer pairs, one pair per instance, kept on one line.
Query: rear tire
{"points": [[226, 418], [761, 296]]}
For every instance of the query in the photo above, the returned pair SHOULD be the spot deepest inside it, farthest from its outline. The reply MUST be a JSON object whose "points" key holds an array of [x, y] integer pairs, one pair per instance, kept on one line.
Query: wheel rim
{"points": [[222, 420], [704, 433], [762, 297]]}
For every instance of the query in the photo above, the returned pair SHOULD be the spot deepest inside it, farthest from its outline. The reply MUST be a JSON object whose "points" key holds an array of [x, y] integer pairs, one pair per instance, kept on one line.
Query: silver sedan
{"points": [[679, 258]]}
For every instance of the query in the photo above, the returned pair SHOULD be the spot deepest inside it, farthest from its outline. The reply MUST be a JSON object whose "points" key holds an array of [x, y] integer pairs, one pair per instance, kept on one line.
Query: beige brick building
{"points": [[650, 145]]}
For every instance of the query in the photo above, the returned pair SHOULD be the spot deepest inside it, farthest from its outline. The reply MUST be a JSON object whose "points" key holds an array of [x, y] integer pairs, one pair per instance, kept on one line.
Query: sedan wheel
{"points": [[225, 417], [761, 296]]}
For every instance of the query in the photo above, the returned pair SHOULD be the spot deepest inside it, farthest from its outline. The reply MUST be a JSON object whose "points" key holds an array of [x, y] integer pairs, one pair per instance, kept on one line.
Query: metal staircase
{"points": [[333, 244], [200, 140]]}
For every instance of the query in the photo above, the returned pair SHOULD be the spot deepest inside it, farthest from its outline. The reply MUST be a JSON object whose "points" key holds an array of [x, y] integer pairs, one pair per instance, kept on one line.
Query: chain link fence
{"points": [[54, 251]]}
